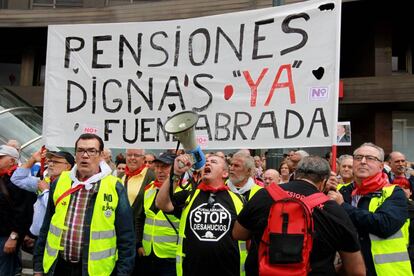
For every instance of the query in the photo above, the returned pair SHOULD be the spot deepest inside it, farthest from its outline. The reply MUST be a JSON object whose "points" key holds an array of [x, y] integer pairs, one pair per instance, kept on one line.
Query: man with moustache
{"points": [[397, 175], [241, 171]]}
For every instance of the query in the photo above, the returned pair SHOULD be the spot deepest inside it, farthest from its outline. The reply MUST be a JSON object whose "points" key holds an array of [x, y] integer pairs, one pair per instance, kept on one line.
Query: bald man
{"points": [[271, 176]]}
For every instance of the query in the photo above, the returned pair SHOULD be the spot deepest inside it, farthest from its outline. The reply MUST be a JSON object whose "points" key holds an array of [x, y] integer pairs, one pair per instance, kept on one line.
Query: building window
{"points": [[57, 3], [403, 133], [119, 2], [3, 4]]}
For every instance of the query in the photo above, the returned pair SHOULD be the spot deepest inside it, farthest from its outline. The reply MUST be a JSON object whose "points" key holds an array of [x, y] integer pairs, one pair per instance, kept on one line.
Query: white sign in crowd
{"points": [[264, 78]]}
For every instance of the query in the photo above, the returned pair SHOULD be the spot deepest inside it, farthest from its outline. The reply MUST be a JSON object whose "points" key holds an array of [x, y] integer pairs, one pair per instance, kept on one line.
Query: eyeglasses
{"points": [[136, 155], [54, 162], [368, 158], [89, 152], [148, 162]]}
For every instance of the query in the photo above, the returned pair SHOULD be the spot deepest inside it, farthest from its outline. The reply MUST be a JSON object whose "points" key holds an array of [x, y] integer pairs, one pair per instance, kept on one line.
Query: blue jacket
{"points": [[23, 179], [386, 220], [124, 228]]}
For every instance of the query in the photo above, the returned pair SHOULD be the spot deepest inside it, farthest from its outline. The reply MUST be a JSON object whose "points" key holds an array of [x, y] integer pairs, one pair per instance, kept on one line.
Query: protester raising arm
{"points": [[163, 200], [22, 178]]}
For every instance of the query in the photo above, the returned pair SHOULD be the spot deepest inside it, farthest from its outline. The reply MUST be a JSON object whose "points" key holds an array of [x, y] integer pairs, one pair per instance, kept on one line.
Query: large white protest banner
{"points": [[263, 78]]}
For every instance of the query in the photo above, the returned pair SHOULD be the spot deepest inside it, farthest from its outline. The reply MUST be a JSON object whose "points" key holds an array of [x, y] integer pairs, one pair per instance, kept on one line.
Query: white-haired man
{"points": [[378, 210], [241, 171]]}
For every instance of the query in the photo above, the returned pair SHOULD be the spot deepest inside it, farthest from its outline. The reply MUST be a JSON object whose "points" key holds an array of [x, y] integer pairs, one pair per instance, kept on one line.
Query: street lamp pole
{"points": [[274, 156]]}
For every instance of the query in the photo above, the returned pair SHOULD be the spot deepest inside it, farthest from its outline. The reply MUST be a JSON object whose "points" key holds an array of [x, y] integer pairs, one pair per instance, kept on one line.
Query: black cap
{"points": [[166, 158], [62, 154]]}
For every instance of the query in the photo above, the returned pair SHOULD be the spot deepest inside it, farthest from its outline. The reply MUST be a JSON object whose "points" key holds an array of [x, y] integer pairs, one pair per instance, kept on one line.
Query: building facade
{"points": [[376, 54]]}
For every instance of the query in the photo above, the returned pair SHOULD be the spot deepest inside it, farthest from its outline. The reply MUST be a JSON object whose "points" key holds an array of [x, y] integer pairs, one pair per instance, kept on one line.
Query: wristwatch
{"points": [[14, 236]]}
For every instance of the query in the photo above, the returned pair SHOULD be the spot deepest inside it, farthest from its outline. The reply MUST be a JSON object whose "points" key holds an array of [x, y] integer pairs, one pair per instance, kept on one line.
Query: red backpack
{"points": [[287, 240]]}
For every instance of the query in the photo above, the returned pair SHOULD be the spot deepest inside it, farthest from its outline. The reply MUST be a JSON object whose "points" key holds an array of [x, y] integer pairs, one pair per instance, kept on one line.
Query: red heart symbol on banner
{"points": [[228, 91]]}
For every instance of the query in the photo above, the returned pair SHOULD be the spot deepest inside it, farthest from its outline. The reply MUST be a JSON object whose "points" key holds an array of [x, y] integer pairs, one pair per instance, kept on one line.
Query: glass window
{"points": [[9, 100], [43, 2], [119, 2], [58, 3], [69, 2], [18, 120], [403, 133]]}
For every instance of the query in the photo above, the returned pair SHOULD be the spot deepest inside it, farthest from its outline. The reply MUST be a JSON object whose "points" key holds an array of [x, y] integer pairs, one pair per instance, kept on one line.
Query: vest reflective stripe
{"points": [[396, 235], [161, 223], [102, 252], [159, 236], [390, 255], [391, 258], [255, 188], [96, 256], [55, 230], [242, 244], [102, 240], [50, 250], [238, 204], [99, 235]]}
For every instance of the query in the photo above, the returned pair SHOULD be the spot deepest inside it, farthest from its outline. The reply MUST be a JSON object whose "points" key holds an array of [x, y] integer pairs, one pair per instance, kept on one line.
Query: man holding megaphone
{"points": [[206, 214]]}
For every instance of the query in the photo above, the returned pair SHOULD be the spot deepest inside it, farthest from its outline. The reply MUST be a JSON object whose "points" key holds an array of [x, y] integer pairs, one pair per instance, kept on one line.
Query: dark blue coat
{"points": [[125, 234], [384, 222]]}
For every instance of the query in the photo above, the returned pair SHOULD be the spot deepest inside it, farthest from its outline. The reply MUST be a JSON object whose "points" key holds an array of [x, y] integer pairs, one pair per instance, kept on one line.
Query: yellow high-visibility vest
{"points": [[159, 235], [255, 188], [102, 253], [238, 204], [390, 255], [340, 186]]}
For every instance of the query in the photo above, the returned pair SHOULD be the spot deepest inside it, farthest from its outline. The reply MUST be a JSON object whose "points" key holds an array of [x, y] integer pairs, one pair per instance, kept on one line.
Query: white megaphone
{"points": [[182, 126]]}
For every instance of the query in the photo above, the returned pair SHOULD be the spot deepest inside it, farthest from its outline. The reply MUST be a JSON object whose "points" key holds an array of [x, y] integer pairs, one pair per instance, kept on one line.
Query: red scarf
{"points": [[371, 184], [157, 184], [8, 171], [208, 188], [402, 181], [259, 182], [136, 172]]}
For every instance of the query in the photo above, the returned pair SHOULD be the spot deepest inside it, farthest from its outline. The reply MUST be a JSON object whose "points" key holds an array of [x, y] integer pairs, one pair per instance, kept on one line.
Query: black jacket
{"points": [[16, 208]]}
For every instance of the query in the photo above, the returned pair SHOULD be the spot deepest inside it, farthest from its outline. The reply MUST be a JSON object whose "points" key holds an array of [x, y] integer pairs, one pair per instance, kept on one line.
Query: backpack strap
{"points": [[276, 192], [315, 199]]}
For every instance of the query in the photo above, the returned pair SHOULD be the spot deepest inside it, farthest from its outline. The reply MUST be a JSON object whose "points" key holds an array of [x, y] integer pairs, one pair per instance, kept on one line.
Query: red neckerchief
{"points": [[8, 171], [208, 188], [157, 184], [136, 172], [259, 182], [402, 181], [371, 184]]}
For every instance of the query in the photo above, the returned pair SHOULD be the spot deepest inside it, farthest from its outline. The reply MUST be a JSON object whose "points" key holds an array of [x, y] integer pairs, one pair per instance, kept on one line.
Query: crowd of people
{"points": [[88, 213]]}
